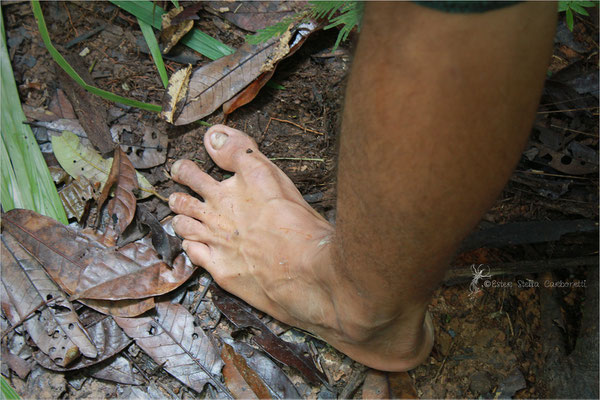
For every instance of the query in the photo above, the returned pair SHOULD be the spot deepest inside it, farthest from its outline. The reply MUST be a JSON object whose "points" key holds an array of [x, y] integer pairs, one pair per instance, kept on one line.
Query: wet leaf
{"points": [[273, 377], [175, 96], [401, 386], [172, 32], [55, 329], [79, 160], [74, 194], [121, 208], [255, 15], [171, 338], [242, 381], [20, 366], [108, 338], [87, 269], [213, 84], [118, 370], [167, 246], [388, 385], [290, 354], [376, 385]]}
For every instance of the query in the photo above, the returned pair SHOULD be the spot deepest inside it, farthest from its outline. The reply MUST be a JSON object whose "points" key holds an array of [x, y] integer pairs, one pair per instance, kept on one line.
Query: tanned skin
{"points": [[437, 111]]}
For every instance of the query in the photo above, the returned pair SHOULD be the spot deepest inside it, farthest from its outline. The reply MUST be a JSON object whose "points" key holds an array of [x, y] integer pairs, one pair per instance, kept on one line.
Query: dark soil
{"points": [[488, 342]]}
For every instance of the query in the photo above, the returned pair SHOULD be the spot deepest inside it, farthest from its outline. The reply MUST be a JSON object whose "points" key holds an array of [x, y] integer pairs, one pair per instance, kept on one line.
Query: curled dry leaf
{"points": [[79, 160], [213, 84], [242, 381], [291, 354], [175, 96], [56, 329], [270, 373], [172, 32], [121, 208], [108, 338], [74, 194], [173, 341], [87, 269]]}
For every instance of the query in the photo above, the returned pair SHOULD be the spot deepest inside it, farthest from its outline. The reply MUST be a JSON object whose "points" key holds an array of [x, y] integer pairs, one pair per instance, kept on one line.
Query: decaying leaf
{"points": [[189, 12], [167, 246], [255, 15], [291, 354], [376, 385], [213, 84], [242, 381], [152, 150], [388, 385], [172, 32], [108, 338], [75, 194], [237, 78], [171, 338], [175, 96], [87, 269], [79, 160], [21, 367], [402, 386], [56, 329], [121, 208], [119, 370], [273, 377], [121, 308]]}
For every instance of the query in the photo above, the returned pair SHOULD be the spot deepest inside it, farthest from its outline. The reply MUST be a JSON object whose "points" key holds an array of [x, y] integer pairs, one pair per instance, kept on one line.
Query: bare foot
{"points": [[261, 241]]}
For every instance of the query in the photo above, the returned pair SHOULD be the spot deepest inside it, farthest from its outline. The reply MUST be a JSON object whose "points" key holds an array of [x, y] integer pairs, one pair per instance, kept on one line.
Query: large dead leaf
{"points": [[87, 269], [56, 329], [121, 208], [121, 308], [213, 84], [388, 385], [255, 15], [108, 338], [119, 370], [171, 338], [152, 150], [270, 373], [242, 381], [291, 354]]}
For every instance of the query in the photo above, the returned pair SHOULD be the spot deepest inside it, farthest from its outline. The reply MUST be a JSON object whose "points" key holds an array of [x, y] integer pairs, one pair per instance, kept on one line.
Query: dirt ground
{"points": [[492, 339]]}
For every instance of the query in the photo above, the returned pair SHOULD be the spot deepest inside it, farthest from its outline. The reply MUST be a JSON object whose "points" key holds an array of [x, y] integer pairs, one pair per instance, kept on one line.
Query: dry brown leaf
{"points": [[56, 329], [171, 338], [376, 385], [87, 269], [175, 96], [74, 194], [121, 208], [172, 33], [119, 370], [153, 149], [121, 308], [255, 15], [108, 338], [242, 381], [213, 84], [388, 385]]}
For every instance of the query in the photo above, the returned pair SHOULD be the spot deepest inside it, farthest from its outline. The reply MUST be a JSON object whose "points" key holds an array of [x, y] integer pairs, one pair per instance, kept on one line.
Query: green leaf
{"points": [[175, 3], [26, 181], [39, 16], [563, 6], [79, 160], [569, 15], [155, 50], [196, 40], [587, 3], [7, 391], [578, 9]]}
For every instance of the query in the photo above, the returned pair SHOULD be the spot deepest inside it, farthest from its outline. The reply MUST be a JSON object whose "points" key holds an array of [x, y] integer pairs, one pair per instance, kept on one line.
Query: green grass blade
{"points": [[196, 40], [175, 3], [155, 50], [569, 16], [25, 176], [37, 12], [7, 391]]}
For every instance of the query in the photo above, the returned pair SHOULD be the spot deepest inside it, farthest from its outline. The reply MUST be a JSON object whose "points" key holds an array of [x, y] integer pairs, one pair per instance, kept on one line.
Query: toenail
{"points": [[172, 199], [176, 166], [218, 139]]}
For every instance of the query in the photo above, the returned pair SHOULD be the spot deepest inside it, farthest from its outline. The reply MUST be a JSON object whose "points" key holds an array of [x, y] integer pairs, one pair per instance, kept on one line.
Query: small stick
{"points": [[298, 126], [512, 333], [210, 280], [569, 109], [70, 20], [439, 371], [127, 356], [296, 159]]}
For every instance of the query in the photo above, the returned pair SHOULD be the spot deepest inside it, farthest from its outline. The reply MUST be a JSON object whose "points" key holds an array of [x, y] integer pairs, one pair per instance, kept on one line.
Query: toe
{"points": [[188, 173], [181, 203], [229, 147], [199, 253], [191, 229]]}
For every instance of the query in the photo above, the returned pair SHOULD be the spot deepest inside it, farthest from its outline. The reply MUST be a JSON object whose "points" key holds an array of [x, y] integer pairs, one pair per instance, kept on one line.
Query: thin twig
{"points": [[573, 130], [512, 332], [296, 159], [569, 109], [293, 123], [210, 280], [536, 172], [136, 366], [70, 20], [439, 371]]}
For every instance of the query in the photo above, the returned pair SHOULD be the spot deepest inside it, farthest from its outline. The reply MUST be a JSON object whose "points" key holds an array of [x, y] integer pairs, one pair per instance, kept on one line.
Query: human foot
{"points": [[262, 242]]}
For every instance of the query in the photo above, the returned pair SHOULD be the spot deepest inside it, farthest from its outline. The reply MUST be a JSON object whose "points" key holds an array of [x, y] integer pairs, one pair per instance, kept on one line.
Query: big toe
{"points": [[229, 147]]}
